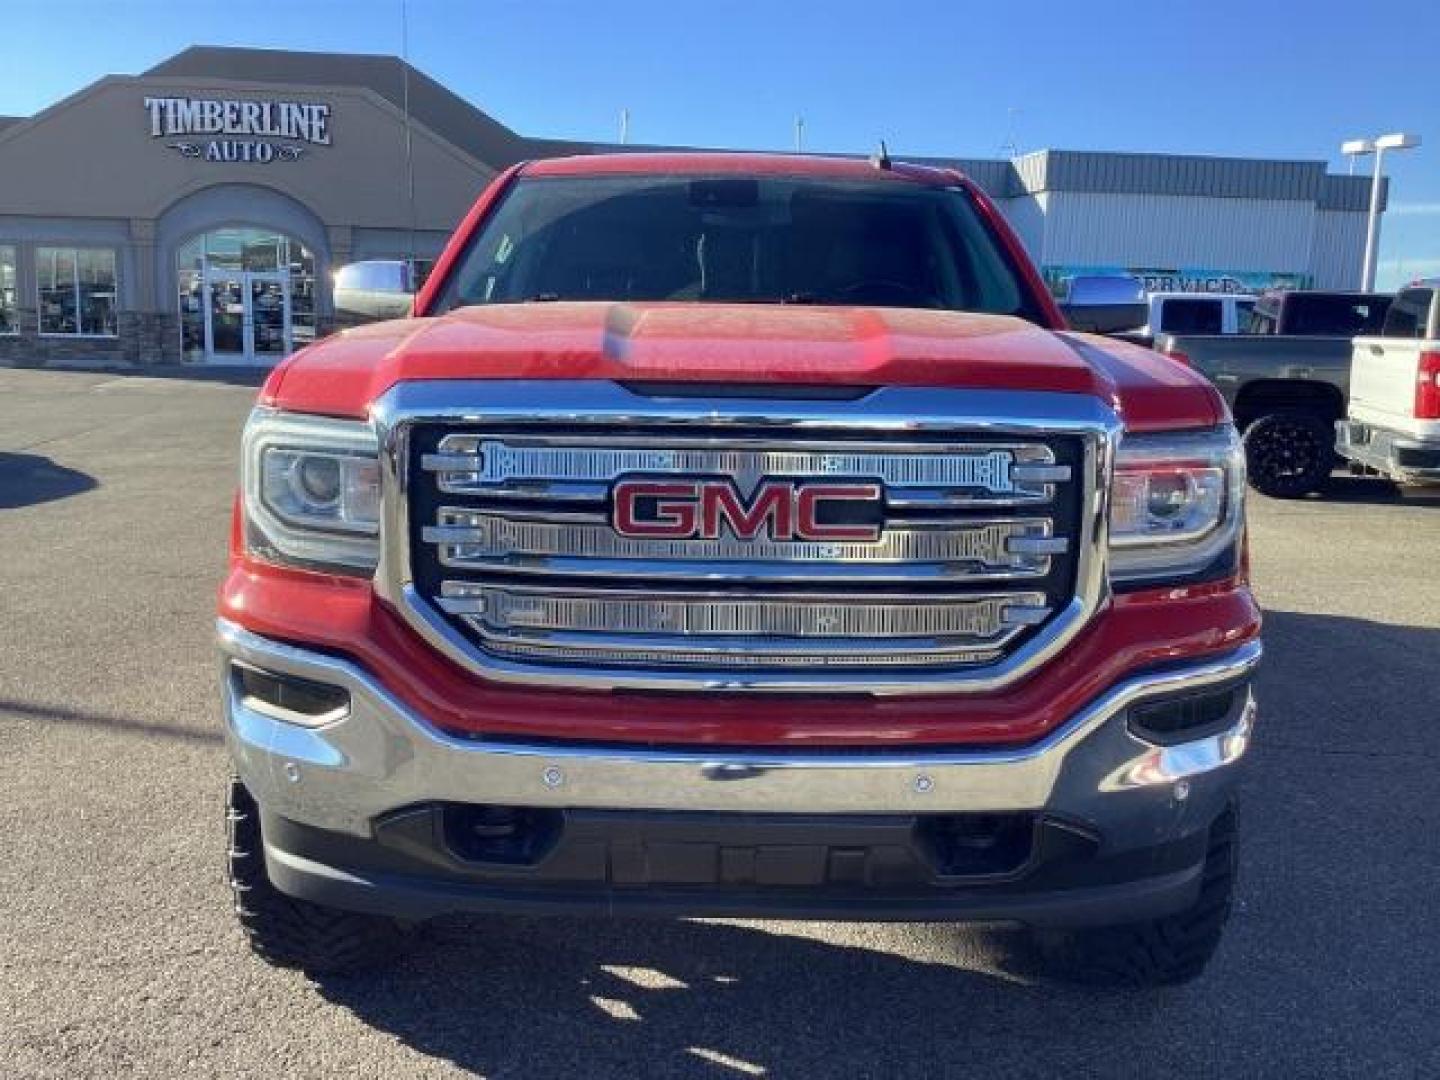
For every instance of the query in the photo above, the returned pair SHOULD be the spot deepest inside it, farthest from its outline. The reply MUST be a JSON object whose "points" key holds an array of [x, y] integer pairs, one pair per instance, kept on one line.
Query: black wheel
{"points": [[1289, 453], [295, 933], [1161, 952]]}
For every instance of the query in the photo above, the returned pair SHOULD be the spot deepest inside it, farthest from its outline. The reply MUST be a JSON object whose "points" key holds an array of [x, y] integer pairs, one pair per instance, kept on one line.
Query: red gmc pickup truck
{"points": [[738, 535]]}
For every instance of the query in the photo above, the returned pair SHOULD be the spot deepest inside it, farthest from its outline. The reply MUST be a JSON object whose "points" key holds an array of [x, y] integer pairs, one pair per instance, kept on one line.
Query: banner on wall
{"points": [[1181, 279]]}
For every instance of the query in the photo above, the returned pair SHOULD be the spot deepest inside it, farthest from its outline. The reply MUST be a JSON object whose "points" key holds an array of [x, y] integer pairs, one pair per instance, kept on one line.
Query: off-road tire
{"points": [[1161, 952], [1289, 453], [295, 933]]}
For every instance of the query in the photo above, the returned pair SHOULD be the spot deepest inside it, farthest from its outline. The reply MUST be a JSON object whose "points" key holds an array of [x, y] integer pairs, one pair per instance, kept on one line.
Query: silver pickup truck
{"points": [[1286, 380]]}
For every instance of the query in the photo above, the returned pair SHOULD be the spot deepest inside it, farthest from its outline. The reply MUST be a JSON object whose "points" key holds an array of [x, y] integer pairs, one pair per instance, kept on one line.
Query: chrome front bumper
{"points": [[381, 756]]}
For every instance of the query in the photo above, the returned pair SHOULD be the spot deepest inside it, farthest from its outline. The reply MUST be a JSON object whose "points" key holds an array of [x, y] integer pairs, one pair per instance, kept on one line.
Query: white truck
{"points": [[1119, 306], [1198, 313], [1393, 424]]}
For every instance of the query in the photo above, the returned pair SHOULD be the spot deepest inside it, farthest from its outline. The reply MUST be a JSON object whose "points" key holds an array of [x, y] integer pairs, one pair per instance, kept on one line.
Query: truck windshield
{"points": [[738, 239]]}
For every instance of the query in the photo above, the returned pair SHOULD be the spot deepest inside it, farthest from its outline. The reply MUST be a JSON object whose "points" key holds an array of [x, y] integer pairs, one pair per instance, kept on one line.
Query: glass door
{"points": [[247, 316], [268, 316], [225, 303], [245, 296]]}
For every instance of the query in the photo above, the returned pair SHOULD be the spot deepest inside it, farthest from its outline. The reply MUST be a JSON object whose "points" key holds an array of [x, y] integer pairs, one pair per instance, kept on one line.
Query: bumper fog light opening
{"points": [[1178, 761], [288, 697]]}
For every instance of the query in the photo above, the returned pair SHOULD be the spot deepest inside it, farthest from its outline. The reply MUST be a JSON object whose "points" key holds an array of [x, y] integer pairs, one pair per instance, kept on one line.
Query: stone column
{"points": [[152, 333]]}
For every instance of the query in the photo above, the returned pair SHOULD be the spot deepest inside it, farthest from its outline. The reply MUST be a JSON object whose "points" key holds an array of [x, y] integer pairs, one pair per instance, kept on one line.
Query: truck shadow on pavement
{"points": [[676, 999], [1375, 491], [30, 479], [105, 721], [1302, 957]]}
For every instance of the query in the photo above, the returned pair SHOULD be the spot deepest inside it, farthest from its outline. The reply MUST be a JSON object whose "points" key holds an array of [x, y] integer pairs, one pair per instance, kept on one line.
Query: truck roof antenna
{"points": [[881, 158]]}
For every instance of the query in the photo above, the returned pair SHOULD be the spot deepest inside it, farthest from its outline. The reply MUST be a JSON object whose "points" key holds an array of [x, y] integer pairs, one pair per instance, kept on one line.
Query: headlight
{"points": [[311, 490], [1176, 505]]}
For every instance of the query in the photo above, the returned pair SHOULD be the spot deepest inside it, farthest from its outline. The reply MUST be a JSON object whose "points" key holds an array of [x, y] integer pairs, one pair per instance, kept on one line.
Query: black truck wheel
{"points": [[1289, 453], [295, 933], [1161, 952]]}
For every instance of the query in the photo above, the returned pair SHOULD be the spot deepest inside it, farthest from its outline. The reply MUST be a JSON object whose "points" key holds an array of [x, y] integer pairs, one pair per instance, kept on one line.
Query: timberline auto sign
{"points": [[239, 130]]}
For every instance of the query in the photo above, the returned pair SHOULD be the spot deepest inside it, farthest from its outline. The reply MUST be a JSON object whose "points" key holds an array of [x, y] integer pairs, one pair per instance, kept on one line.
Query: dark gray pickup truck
{"points": [[1287, 380]]}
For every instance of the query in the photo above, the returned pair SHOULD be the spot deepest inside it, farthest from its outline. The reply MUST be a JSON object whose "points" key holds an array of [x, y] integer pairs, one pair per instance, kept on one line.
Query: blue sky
{"points": [[1281, 79]]}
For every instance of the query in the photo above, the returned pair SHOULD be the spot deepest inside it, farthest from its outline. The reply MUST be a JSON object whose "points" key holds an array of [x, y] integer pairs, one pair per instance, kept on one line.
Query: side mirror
{"points": [[1105, 318], [1104, 304], [373, 290]]}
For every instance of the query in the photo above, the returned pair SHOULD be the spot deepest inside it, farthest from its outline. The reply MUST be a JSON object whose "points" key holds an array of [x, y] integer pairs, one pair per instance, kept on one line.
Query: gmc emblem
{"points": [[705, 509]]}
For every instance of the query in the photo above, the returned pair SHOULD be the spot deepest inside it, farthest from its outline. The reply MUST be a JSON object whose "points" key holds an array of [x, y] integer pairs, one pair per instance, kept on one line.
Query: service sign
{"points": [[238, 130], [1181, 279]]}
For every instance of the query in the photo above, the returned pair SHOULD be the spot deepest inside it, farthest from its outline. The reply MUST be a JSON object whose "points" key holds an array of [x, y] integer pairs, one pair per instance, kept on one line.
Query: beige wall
{"points": [[92, 155]]}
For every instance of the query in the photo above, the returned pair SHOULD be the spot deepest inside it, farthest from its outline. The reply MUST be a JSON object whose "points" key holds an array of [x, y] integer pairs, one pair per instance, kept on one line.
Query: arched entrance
{"points": [[246, 296]]}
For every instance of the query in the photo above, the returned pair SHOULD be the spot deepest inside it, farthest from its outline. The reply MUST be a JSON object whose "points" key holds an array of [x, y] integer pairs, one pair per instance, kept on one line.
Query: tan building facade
{"points": [[196, 212], [184, 217]]}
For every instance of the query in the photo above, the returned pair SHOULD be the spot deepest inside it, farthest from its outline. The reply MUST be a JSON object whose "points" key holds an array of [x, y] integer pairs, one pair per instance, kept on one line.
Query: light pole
{"points": [[1398, 141]]}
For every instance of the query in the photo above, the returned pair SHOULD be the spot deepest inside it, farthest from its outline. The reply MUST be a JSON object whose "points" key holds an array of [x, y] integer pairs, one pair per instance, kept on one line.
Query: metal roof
{"points": [[1351, 193], [1169, 174]]}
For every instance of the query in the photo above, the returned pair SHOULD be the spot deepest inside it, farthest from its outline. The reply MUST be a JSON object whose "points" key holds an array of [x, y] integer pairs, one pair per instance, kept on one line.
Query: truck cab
{"points": [[1393, 424], [1318, 313]]}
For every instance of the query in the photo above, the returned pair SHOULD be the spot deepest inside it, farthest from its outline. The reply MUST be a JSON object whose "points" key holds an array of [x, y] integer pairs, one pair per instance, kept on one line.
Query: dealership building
{"points": [[195, 213]]}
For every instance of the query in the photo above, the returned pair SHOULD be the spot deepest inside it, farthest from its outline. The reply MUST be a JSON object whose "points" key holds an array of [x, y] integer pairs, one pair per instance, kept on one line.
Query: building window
{"points": [[9, 310], [76, 291]]}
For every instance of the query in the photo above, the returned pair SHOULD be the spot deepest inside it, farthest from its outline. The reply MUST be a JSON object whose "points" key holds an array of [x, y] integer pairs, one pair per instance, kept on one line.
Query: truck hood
{"points": [[739, 343]]}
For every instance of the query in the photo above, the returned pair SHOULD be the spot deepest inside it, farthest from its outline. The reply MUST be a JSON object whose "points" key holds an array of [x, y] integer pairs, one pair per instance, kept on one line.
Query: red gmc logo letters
{"points": [[706, 509]]}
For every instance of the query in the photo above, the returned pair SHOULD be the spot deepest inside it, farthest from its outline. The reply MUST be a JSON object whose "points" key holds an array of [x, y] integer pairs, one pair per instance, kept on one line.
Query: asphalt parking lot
{"points": [[118, 953]]}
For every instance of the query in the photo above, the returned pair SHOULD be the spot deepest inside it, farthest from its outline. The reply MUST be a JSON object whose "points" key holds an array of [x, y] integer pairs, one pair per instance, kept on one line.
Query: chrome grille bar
{"points": [[716, 614], [737, 658], [1010, 473], [479, 540], [917, 629]]}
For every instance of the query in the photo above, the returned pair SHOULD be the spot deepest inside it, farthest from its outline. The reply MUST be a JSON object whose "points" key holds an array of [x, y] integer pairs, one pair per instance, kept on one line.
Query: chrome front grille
{"points": [[971, 562]]}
